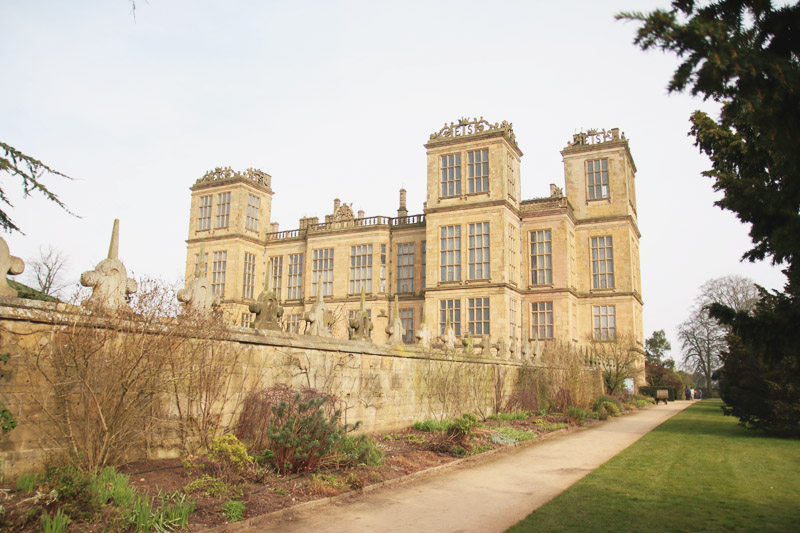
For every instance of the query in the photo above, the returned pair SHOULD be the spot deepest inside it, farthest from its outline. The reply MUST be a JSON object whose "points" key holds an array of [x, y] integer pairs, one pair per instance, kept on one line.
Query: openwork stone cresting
{"points": [[466, 127], [592, 137], [227, 173]]}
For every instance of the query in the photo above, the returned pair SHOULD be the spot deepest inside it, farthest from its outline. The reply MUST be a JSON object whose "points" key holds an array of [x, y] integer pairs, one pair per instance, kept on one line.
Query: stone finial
{"points": [[449, 337], [486, 346], [9, 264], [513, 350], [502, 348], [267, 308], [395, 328], [109, 279], [361, 324], [469, 343], [319, 320], [424, 334], [198, 296], [526, 349]]}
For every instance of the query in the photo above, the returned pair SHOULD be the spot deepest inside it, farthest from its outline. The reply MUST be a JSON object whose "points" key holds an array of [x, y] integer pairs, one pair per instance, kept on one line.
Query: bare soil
{"points": [[406, 452]]}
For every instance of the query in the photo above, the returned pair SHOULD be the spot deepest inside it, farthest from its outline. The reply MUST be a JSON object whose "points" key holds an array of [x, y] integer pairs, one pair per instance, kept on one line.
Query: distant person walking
{"points": [[699, 394], [688, 393]]}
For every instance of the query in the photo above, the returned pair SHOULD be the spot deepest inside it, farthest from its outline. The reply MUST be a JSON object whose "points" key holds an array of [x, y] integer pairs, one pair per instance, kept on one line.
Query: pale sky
{"points": [[336, 99]]}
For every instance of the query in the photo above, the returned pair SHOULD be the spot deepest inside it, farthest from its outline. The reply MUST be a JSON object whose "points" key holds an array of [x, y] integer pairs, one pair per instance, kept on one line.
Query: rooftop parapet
{"points": [[220, 174], [476, 127]]}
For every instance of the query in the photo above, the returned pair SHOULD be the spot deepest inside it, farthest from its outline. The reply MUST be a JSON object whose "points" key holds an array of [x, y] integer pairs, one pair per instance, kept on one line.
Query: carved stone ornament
{"points": [[361, 324], [466, 127], [226, 173], [343, 213], [9, 264], [502, 348], [527, 352], [424, 334], [109, 279], [591, 137], [395, 328], [449, 337], [469, 343], [198, 296], [267, 308], [318, 319], [513, 349]]}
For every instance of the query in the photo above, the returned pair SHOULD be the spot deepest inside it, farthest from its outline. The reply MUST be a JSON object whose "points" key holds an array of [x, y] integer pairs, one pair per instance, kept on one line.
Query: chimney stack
{"points": [[336, 204], [402, 212]]}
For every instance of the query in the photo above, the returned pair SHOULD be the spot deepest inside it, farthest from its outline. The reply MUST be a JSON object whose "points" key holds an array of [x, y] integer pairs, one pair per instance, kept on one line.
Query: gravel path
{"points": [[491, 495]]}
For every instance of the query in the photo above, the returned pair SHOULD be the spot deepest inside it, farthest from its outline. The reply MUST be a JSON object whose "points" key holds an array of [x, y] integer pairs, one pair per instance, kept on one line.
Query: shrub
{"points": [[461, 428], [27, 482], [608, 408], [57, 524], [610, 399], [431, 425], [577, 415], [233, 510], [354, 450], [228, 456], [76, 490], [301, 435], [210, 486]]}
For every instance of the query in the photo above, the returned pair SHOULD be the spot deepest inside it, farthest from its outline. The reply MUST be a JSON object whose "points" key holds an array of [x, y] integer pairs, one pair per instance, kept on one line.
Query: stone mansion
{"points": [[479, 257]]}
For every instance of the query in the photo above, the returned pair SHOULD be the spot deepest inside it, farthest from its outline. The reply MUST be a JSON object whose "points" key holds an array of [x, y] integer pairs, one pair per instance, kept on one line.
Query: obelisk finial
{"points": [[113, 249]]}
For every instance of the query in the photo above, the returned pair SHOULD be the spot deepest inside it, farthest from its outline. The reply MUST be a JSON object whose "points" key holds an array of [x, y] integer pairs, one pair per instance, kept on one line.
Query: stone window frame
{"points": [[407, 319], [478, 160], [597, 186], [277, 275], [541, 255], [450, 174], [542, 320], [251, 221], [218, 267], [204, 213], [512, 317], [604, 322], [405, 267], [361, 268], [478, 316], [478, 252], [512, 254], [602, 257], [450, 253], [247, 319], [223, 210], [322, 263], [249, 275], [294, 277], [451, 307], [382, 271]]}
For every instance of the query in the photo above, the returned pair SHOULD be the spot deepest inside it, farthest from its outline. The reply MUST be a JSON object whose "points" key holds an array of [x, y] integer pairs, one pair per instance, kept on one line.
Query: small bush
{"points": [[228, 456], [577, 415], [512, 434], [210, 486], [461, 428], [354, 450], [611, 399], [76, 489], [608, 408], [233, 510], [431, 425], [57, 524], [27, 482]]}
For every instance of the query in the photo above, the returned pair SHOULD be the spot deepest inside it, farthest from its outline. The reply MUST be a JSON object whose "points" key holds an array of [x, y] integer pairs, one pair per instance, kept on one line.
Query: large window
{"points": [[218, 273], [251, 222], [451, 175], [322, 265], [361, 268], [478, 171], [541, 258], [512, 318], [407, 318], [450, 310], [478, 316], [248, 283], [294, 280], [605, 322], [223, 209], [602, 263], [277, 275], [542, 320], [405, 267], [382, 272], [479, 250], [204, 213], [597, 178], [450, 261]]}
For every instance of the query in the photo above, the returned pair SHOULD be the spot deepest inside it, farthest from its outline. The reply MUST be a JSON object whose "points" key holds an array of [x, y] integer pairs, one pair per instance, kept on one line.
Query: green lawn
{"points": [[698, 471]]}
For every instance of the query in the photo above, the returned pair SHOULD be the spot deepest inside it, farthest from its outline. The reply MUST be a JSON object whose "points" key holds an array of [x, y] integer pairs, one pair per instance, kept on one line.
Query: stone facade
{"points": [[564, 267]]}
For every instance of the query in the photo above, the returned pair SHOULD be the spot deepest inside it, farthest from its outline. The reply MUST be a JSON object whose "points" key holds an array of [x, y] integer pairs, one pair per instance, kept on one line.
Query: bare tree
{"points": [[702, 337], [47, 270], [619, 359]]}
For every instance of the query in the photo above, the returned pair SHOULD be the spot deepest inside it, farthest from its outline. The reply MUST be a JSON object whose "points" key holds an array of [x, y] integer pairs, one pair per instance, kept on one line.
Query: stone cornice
{"points": [[463, 207], [618, 218]]}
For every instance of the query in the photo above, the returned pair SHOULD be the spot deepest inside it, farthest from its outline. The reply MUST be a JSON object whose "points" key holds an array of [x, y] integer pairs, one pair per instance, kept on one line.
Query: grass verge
{"points": [[698, 471]]}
